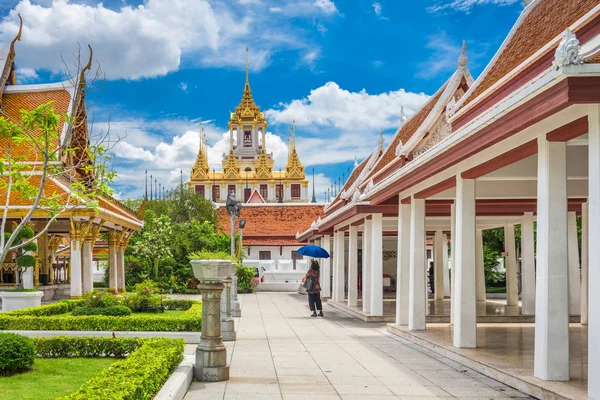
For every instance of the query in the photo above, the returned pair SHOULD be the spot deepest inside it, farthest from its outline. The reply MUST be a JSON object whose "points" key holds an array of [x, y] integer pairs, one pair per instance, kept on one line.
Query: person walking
{"points": [[312, 283]]}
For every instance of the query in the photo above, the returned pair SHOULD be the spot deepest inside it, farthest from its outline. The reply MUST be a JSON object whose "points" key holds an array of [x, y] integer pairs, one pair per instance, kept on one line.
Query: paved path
{"points": [[282, 353]]}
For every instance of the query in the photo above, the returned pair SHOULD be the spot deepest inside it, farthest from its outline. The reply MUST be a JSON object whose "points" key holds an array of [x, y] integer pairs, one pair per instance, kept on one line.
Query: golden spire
{"points": [[247, 80], [294, 168], [201, 169]]}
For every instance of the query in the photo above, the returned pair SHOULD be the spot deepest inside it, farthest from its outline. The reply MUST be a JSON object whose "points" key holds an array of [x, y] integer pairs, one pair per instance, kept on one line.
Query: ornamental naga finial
{"points": [[462, 59], [568, 51]]}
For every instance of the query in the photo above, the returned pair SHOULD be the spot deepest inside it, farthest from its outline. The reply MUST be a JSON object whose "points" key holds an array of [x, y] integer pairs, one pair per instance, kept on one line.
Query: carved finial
{"points": [[201, 136], [87, 67], [380, 140], [247, 81], [462, 59], [355, 161], [18, 37], [567, 52], [402, 115], [451, 108]]}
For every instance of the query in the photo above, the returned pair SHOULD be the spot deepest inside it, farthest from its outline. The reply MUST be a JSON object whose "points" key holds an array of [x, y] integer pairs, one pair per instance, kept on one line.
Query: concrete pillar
{"points": [[465, 313], [479, 266], [403, 268], [593, 236], [584, 263], [121, 268], [339, 292], [353, 267], [510, 263], [113, 280], [452, 260], [75, 266], [86, 265], [445, 262], [227, 323], [377, 265], [574, 269], [417, 302], [527, 265], [551, 355], [438, 266], [366, 270], [326, 268]]}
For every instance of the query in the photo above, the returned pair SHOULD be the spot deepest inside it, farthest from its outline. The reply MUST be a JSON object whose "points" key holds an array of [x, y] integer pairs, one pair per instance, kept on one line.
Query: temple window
{"points": [[264, 255], [216, 192], [231, 190], [279, 191], [247, 193], [200, 190], [247, 139], [296, 189], [264, 191]]}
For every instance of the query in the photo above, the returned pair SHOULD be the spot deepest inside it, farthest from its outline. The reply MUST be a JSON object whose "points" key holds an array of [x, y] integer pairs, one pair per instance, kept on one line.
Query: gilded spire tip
{"points": [[247, 81]]}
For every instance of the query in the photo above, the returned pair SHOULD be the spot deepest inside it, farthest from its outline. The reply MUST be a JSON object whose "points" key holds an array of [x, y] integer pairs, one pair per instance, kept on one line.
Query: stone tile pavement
{"points": [[282, 353]]}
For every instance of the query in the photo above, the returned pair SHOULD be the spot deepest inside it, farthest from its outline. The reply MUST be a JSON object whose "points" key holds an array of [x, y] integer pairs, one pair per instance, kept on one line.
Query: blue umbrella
{"points": [[313, 251]]}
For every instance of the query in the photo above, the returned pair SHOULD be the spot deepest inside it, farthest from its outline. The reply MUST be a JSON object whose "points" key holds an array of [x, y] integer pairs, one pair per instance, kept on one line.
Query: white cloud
{"points": [[275, 9], [183, 86], [378, 8], [154, 38], [467, 5], [378, 63], [444, 56], [332, 106], [327, 6]]}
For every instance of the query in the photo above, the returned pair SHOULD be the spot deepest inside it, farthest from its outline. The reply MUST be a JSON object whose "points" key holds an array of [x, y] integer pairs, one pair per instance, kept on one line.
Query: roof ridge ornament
{"points": [[403, 117], [8, 73], [399, 148], [463, 59], [568, 51], [451, 108], [355, 162], [380, 140]]}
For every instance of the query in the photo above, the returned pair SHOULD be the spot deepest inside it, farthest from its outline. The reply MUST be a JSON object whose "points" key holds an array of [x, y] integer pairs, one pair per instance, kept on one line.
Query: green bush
{"points": [[115, 311], [210, 255], [139, 376], [178, 305], [190, 321], [61, 307], [245, 275], [96, 299], [16, 353], [101, 285], [67, 346]]}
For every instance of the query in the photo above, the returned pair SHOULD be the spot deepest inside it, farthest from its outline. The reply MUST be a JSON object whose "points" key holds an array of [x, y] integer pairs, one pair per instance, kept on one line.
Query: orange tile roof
{"points": [[269, 221], [256, 241], [50, 189], [547, 20], [407, 131], [13, 103]]}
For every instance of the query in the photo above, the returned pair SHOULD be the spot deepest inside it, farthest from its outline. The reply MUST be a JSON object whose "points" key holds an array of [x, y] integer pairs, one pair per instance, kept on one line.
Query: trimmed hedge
{"points": [[72, 346], [139, 376], [16, 353], [178, 305], [40, 318], [115, 311]]}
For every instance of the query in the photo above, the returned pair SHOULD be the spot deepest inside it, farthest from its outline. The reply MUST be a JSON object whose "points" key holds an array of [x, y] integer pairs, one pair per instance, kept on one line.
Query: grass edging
{"points": [[44, 318]]}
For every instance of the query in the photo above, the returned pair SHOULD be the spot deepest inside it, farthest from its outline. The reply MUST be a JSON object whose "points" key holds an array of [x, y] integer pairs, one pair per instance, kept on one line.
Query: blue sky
{"points": [[340, 68]]}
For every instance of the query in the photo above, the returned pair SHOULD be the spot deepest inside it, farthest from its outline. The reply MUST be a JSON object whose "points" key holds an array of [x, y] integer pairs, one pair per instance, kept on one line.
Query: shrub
{"points": [[67, 346], [179, 305], [143, 302], [139, 376], [190, 321], [96, 299], [102, 285], [16, 353], [115, 311], [214, 255], [245, 275], [61, 307]]}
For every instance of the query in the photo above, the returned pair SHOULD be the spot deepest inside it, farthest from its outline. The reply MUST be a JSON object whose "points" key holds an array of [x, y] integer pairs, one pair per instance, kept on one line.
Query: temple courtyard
{"points": [[282, 353]]}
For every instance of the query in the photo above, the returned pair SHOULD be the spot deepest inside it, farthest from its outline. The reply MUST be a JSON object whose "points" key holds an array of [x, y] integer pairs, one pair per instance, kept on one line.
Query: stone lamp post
{"points": [[227, 324], [234, 207], [211, 354]]}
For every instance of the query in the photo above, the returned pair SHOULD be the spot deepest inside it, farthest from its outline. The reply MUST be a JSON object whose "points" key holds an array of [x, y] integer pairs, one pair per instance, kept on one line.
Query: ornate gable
{"points": [[231, 168]]}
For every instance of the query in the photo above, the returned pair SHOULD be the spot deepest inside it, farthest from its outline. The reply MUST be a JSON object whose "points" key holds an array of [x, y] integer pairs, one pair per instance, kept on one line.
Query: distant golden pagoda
{"points": [[247, 167]]}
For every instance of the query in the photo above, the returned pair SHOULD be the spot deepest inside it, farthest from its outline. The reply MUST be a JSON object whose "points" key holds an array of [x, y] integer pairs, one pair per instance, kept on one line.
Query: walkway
{"points": [[282, 353]]}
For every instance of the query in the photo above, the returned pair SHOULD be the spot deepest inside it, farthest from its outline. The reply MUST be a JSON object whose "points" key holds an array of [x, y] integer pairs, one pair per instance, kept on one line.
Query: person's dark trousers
{"points": [[314, 301]]}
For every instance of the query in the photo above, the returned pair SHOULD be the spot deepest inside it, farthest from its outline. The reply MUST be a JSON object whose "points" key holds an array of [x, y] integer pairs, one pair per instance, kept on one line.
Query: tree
{"points": [[154, 242], [183, 205]]}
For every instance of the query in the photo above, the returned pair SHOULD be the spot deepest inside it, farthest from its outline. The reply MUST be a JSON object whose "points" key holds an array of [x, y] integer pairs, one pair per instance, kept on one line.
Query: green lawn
{"points": [[168, 313], [51, 377]]}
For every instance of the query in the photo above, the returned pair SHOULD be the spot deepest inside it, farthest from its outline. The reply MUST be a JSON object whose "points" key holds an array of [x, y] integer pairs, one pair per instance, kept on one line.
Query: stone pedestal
{"points": [[19, 300], [227, 324], [211, 354], [236, 310]]}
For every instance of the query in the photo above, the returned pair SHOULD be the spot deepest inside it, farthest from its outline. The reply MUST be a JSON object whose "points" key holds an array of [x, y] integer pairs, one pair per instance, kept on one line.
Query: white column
{"points": [[339, 273], [121, 269], [113, 275], [445, 262], [403, 267], [326, 268], [594, 253], [76, 270], [479, 266], [353, 267], [417, 302], [86, 266], [551, 355], [452, 260], [574, 272], [527, 265], [377, 265], [584, 263], [366, 269], [512, 288], [438, 266], [465, 313]]}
